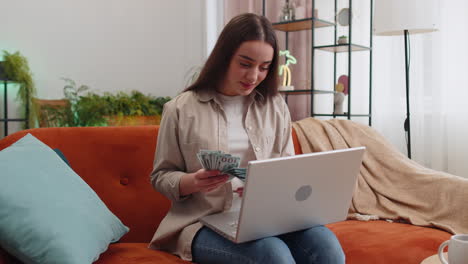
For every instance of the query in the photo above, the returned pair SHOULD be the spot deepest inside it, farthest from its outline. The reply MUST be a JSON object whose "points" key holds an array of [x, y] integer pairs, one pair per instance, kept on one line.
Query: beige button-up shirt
{"points": [[196, 120]]}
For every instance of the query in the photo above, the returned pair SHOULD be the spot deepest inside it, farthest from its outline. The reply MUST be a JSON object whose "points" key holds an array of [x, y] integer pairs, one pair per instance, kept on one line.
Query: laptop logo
{"points": [[303, 193]]}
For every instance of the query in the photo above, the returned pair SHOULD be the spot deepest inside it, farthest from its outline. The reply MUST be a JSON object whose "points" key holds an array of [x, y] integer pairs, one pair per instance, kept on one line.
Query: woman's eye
{"points": [[245, 65], [264, 68]]}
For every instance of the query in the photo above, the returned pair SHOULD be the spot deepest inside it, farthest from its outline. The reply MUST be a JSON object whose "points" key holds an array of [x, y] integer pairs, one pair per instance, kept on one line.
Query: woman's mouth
{"points": [[247, 86]]}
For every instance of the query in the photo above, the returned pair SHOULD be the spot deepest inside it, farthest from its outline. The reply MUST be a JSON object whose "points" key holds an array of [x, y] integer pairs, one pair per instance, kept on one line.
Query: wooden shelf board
{"points": [[342, 48], [303, 24], [344, 115]]}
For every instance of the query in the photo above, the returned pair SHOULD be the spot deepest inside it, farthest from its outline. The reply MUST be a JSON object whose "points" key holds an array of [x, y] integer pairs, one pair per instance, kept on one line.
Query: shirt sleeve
{"points": [[169, 165]]}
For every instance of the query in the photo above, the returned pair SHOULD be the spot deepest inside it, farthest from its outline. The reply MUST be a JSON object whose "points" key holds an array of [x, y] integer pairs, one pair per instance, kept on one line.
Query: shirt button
{"points": [[257, 149]]}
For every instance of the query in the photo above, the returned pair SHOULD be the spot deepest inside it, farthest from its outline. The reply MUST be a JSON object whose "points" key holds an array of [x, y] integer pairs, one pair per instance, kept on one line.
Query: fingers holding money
{"points": [[218, 168], [207, 180], [220, 161]]}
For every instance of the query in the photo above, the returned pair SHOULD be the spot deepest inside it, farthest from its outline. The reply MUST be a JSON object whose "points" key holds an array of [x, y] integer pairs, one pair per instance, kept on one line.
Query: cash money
{"points": [[224, 162]]}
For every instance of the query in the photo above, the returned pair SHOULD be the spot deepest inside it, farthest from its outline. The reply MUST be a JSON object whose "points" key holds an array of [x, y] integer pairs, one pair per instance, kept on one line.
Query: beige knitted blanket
{"points": [[390, 185]]}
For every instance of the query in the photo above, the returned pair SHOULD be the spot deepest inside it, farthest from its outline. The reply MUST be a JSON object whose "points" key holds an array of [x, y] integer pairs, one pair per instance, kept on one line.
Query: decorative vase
{"points": [[338, 103], [300, 12], [288, 12]]}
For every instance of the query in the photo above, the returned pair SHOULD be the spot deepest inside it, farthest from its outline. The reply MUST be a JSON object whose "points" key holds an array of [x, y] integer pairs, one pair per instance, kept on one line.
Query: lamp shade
{"points": [[392, 17]]}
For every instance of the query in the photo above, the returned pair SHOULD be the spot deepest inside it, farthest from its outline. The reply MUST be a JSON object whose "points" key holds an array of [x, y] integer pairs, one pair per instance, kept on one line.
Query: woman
{"points": [[234, 106]]}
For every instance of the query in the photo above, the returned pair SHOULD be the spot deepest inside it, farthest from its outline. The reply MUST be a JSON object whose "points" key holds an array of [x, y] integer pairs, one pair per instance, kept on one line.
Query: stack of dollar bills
{"points": [[224, 162]]}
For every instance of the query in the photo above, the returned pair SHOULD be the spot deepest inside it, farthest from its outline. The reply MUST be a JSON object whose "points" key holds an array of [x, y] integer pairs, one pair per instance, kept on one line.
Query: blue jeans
{"points": [[315, 245]]}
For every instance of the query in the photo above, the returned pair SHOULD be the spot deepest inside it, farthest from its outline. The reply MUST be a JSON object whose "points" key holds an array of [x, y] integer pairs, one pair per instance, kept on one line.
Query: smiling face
{"points": [[249, 66]]}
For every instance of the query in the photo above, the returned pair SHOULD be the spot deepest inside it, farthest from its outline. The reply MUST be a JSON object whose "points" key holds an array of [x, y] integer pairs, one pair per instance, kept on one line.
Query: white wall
{"points": [[110, 45], [214, 22]]}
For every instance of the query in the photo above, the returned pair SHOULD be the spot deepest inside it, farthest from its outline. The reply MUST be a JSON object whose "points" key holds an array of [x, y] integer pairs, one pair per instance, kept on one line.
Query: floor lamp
{"points": [[405, 17]]}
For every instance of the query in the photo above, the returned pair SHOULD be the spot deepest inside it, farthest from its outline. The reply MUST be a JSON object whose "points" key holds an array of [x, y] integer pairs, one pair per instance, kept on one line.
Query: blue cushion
{"points": [[48, 214]]}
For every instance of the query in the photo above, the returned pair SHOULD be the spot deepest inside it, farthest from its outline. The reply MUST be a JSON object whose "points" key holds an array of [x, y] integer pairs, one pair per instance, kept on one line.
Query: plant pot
{"points": [[133, 120], [53, 113], [343, 41]]}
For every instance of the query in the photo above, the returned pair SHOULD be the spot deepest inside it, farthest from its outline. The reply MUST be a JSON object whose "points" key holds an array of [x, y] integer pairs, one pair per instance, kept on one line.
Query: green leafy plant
{"points": [[17, 70], [92, 109], [158, 103], [72, 93]]}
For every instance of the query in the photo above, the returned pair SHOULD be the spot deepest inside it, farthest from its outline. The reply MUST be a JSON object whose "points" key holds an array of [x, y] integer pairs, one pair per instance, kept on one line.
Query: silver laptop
{"points": [[287, 194]]}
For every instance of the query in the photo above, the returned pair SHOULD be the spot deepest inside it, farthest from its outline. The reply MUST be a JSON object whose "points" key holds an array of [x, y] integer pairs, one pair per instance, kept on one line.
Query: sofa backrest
{"points": [[116, 162]]}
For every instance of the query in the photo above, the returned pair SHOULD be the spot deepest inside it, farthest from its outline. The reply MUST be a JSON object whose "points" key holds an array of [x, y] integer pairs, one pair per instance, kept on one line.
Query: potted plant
{"points": [[343, 39], [135, 108], [17, 69], [119, 109]]}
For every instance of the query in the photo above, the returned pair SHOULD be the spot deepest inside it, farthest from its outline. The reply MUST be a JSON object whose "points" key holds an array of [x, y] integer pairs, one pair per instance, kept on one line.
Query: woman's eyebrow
{"points": [[250, 59]]}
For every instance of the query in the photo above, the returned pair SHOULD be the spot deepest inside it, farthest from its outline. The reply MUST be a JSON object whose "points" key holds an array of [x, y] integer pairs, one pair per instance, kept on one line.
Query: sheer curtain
{"points": [[438, 91], [438, 86]]}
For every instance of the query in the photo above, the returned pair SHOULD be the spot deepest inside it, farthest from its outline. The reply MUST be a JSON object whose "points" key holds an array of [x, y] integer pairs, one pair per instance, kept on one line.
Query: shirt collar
{"points": [[208, 95]]}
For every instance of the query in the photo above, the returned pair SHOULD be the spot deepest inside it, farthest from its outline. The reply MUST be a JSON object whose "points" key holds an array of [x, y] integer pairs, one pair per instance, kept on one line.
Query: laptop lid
{"points": [[287, 194]]}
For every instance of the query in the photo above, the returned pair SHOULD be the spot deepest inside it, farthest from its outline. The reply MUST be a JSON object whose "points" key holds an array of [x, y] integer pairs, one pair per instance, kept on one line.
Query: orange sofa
{"points": [[116, 163]]}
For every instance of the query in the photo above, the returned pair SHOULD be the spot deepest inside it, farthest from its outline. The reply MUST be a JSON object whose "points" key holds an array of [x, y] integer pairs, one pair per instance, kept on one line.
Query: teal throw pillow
{"points": [[48, 214]]}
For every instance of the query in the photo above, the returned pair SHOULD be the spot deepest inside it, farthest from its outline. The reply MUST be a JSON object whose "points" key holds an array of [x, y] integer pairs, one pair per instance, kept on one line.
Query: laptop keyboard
{"points": [[233, 228], [225, 223], [234, 224]]}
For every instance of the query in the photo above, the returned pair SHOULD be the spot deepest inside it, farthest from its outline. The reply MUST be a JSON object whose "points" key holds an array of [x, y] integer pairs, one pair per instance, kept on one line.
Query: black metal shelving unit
{"points": [[5, 120], [312, 24]]}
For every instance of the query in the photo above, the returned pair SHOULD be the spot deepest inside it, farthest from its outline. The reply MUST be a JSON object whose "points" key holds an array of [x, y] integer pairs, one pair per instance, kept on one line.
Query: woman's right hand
{"points": [[201, 181]]}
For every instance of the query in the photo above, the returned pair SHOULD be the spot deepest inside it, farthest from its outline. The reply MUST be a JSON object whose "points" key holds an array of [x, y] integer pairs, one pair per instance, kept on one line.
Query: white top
{"points": [[235, 108]]}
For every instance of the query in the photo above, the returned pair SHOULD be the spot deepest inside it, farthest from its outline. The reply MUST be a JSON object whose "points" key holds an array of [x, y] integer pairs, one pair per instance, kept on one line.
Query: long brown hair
{"points": [[244, 27]]}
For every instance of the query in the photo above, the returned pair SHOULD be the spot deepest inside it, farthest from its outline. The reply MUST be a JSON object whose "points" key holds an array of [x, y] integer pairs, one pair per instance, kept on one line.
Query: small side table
{"points": [[434, 259]]}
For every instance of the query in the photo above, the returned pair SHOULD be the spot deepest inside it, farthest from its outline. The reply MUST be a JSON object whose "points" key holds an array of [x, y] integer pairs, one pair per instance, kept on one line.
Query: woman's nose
{"points": [[252, 75]]}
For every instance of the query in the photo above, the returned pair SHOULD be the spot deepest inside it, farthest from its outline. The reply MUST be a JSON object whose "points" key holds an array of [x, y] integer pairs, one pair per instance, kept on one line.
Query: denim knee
{"points": [[315, 245], [271, 250], [328, 248], [324, 245]]}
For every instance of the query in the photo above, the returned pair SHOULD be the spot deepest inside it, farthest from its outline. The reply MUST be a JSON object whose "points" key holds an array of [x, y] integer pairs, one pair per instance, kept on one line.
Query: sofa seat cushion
{"points": [[384, 242], [136, 253], [363, 242]]}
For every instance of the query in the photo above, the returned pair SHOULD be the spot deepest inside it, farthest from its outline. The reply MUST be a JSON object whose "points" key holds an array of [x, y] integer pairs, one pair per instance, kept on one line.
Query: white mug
{"points": [[457, 250]]}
